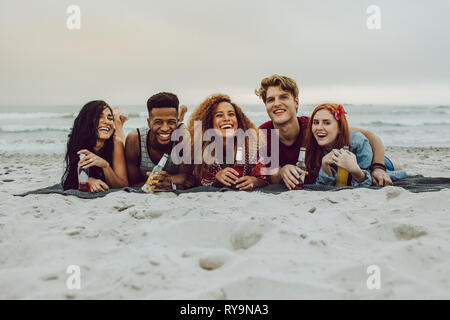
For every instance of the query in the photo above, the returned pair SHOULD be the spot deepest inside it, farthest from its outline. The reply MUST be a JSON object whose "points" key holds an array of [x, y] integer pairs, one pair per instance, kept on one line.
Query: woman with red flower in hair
{"points": [[328, 134]]}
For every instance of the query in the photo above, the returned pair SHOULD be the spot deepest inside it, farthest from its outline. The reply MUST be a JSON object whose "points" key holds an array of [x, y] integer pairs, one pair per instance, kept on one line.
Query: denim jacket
{"points": [[360, 146]]}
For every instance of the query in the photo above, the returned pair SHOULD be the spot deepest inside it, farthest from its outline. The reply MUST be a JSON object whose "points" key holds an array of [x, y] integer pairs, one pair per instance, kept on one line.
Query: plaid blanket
{"points": [[412, 183]]}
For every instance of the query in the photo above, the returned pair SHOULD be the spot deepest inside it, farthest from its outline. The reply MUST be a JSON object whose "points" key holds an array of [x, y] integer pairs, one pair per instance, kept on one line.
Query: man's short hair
{"points": [[287, 84], [162, 100]]}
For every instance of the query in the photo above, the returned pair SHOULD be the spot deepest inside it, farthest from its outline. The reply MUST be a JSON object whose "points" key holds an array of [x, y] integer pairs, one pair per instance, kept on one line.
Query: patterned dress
{"points": [[249, 168]]}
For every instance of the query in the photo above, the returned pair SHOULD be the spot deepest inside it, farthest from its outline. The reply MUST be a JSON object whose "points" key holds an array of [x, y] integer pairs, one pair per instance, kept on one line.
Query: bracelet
{"points": [[377, 165]]}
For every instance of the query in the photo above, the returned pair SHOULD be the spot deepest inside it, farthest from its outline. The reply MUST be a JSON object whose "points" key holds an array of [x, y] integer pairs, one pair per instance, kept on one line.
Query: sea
{"points": [[45, 129]]}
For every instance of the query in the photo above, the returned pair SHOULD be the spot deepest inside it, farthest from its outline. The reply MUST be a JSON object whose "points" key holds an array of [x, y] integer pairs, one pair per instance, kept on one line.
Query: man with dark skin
{"points": [[144, 147], [280, 95]]}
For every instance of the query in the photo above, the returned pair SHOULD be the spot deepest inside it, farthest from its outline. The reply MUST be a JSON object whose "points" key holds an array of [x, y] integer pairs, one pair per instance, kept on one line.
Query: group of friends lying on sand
{"points": [[220, 146]]}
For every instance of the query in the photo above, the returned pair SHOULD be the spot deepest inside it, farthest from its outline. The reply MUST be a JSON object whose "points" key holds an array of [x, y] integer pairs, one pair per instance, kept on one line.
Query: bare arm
{"points": [[132, 155], [375, 143], [379, 176], [116, 176], [275, 177], [119, 120], [185, 179]]}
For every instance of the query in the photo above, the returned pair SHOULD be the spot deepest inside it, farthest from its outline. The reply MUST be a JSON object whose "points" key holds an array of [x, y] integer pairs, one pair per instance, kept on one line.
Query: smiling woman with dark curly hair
{"points": [[222, 115]]}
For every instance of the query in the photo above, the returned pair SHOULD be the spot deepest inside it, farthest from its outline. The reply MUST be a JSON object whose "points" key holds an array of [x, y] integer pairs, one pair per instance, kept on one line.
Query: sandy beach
{"points": [[233, 245]]}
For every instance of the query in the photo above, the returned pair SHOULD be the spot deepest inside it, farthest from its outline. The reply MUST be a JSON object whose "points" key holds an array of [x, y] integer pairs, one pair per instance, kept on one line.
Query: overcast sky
{"points": [[126, 51]]}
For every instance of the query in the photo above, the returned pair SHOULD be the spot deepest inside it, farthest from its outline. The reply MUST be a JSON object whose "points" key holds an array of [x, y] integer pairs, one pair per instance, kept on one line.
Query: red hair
{"points": [[314, 153]]}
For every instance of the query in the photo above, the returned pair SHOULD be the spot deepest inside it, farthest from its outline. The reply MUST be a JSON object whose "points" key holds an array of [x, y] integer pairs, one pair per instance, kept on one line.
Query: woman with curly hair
{"points": [[225, 118], [328, 134], [94, 135]]}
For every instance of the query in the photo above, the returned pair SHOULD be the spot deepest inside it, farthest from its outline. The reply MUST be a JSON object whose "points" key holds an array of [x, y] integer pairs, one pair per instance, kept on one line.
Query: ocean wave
{"points": [[137, 115], [35, 115], [408, 123], [55, 115], [25, 129], [443, 112]]}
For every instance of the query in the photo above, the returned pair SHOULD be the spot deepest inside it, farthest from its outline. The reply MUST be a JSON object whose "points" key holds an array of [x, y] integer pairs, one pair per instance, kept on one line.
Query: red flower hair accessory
{"points": [[337, 113]]}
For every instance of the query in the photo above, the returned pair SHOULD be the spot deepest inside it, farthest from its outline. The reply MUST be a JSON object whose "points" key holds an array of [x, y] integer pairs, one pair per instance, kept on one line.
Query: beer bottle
{"points": [[238, 163], [302, 165], [83, 177], [342, 174], [149, 185]]}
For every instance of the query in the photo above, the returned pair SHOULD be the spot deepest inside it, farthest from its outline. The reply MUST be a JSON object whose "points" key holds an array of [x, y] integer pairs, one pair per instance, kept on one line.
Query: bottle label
{"points": [[149, 185], [341, 177]]}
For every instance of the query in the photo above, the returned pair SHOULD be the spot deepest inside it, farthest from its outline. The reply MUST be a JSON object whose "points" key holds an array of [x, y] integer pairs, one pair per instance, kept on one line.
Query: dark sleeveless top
{"points": [[146, 163]]}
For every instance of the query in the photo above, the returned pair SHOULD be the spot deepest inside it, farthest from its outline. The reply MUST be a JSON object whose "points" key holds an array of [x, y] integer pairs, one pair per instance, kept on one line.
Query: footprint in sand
{"points": [[393, 232], [211, 263], [408, 232], [215, 259], [393, 192], [145, 213], [198, 233], [247, 235]]}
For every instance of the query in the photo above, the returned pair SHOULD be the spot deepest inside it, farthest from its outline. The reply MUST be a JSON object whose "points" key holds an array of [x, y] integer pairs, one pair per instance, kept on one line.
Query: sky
{"points": [[125, 51]]}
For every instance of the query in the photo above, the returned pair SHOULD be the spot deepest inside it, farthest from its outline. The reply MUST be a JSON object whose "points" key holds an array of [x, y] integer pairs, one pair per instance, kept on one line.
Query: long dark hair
{"points": [[84, 136]]}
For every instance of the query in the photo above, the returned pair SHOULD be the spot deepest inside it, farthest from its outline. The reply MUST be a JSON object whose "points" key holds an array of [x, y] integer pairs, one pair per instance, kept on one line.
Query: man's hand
{"points": [[380, 178], [290, 175], [164, 180], [181, 112]]}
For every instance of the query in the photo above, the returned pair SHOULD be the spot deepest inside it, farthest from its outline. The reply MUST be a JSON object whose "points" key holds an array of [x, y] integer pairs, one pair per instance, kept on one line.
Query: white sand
{"points": [[231, 245]]}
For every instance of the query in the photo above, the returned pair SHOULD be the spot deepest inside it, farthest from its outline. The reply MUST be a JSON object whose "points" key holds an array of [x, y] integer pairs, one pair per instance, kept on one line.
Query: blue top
{"points": [[360, 146]]}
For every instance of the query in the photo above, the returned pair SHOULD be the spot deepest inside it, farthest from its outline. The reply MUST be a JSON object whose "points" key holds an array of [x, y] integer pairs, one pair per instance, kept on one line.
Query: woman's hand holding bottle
{"points": [[97, 185], [91, 159], [347, 160], [327, 161]]}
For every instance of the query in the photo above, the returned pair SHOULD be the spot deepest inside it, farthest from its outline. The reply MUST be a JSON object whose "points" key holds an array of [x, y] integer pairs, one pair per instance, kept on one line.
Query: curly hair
{"points": [[205, 113], [286, 83], [314, 153]]}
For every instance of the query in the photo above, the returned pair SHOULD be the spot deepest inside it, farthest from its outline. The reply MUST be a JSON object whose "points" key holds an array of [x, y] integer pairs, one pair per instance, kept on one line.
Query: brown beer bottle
{"points": [[302, 165], [83, 177]]}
